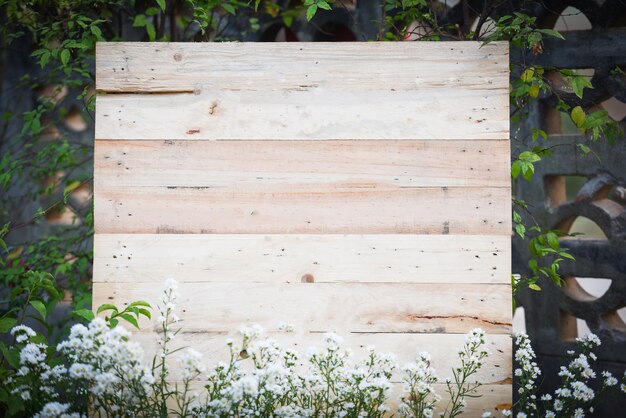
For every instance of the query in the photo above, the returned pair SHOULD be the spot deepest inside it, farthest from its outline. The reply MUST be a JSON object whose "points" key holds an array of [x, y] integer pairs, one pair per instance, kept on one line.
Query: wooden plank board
{"points": [[302, 165], [256, 91], [356, 188], [404, 115], [443, 348], [342, 307], [191, 210], [138, 258], [175, 67]]}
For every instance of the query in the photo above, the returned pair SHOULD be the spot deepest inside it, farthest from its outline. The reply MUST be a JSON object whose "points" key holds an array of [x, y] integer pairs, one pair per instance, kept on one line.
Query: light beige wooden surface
{"points": [[289, 91], [357, 188], [438, 210], [408, 66], [273, 166], [351, 307], [276, 258]]}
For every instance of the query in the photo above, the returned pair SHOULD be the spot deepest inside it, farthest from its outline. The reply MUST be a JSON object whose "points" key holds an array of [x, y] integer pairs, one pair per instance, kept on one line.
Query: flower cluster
{"points": [[418, 388], [574, 397], [99, 371]]}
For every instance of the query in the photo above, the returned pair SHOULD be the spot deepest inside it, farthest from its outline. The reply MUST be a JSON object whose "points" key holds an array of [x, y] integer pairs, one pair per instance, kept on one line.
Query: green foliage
{"points": [[400, 18], [130, 314], [313, 5]]}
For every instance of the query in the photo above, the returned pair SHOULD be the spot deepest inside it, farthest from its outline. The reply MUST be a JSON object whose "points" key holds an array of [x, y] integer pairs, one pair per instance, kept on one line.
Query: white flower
{"points": [[558, 405], [81, 371], [53, 410], [579, 413], [22, 333], [191, 364], [332, 339], [582, 392], [33, 354]]}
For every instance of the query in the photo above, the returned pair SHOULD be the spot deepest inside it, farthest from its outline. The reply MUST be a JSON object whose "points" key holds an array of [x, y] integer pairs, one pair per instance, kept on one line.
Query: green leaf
{"points": [[528, 74], [161, 4], [533, 91], [323, 4], [578, 116], [596, 119], [95, 30], [528, 170], [11, 355], [140, 21], [131, 319], [145, 313], [539, 132], [40, 307], [551, 32], [6, 324], [229, 8], [86, 314], [579, 83], [566, 255], [152, 11], [151, 31], [534, 286], [140, 303], [521, 230], [65, 57], [529, 157], [516, 169], [310, 12], [70, 188], [106, 307], [553, 240]]}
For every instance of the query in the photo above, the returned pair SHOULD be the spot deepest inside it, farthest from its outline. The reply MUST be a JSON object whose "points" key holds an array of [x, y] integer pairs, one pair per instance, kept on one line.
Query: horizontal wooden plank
{"points": [[174, 67], [358, 115], [319, 307], [443, 348], [255, 91], [137, 258], [302, 165], [454, 210]]}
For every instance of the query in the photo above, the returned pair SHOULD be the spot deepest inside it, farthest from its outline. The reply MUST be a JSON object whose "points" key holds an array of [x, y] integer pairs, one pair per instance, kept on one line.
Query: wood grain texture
{"points": [[302, 165], [484, 211], [320, 307], [138, 258], [361, 188], [442, 347], [256, 91], [302, 187], [174, 67]]}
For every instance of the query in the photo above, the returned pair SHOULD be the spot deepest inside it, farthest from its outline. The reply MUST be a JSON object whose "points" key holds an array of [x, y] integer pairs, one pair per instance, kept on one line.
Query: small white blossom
{"points": [[22, 333]]}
